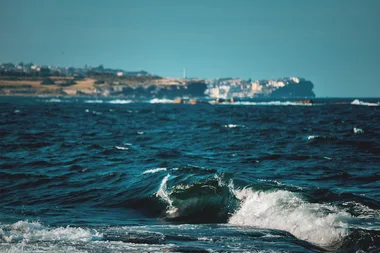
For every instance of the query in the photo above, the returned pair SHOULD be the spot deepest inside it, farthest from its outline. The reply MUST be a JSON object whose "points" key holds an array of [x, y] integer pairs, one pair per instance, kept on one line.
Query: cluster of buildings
{"points": [[30, 69], [239, 88], [117, 82]]}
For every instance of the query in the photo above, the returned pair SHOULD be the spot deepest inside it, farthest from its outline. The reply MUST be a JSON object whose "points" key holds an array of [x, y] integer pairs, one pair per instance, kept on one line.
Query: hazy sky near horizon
{"points": [[335, 44]]}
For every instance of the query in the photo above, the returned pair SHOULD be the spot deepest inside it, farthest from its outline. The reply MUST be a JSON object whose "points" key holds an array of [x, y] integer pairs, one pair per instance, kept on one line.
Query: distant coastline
{"points": [[34, 80]]}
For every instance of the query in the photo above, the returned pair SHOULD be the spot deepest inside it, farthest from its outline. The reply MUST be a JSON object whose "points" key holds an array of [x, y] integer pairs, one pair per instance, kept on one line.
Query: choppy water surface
{"points": [[87, 175]]}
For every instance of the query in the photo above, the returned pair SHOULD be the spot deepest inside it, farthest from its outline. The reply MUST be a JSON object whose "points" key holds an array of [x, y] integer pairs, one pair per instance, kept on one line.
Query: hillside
{"points": [[32, 80]]}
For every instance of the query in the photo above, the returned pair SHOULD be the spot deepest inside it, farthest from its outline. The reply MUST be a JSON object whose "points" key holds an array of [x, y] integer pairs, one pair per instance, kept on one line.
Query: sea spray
{"points": [[319, 224], [68, 168], [154, 170], [163, 194], [35, 232]]}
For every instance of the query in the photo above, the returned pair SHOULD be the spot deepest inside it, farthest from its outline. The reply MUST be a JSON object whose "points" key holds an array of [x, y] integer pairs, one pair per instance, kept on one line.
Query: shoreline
{"points": [[320, 101]]}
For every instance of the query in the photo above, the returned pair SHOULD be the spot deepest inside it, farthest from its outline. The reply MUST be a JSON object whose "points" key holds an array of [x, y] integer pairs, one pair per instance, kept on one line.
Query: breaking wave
{"points": [[160, 101], [195, 200], [120, 101], [35, 232], [358, 102], [121, 148], [55, 100], [154, 170], [233, 126], [215, 199], [277, 103], [115, 101], [319, 224], [358, 130], [321, 138], [96, 101]]}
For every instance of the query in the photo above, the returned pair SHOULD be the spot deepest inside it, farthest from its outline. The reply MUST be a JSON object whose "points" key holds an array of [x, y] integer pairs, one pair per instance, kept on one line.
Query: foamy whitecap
{"points": [[320, 224], [358, 102], [35, 232], [26, 248], [96, 101], [358, 130], [321, 137], [277, 103], [204, 239], [364, 211], [121, 148], [54, 100], [233, 126], [160, 101], [164, 195], [120, 101], [154, 170]]}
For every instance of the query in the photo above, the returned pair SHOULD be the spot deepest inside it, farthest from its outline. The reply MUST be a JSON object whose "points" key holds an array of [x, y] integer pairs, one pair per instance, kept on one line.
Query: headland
{"points": [[34, 80]]}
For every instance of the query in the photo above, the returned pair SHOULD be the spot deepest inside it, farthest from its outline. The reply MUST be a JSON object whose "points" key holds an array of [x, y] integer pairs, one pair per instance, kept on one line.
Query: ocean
{"points": [[111, 175]]}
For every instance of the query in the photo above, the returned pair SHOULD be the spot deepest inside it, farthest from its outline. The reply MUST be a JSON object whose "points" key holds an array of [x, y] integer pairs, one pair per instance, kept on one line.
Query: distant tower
{"points": [[184, 73]]}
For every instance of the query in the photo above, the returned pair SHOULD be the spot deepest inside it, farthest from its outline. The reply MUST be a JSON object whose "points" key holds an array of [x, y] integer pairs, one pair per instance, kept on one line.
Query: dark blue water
{"points": [[80, 175]]}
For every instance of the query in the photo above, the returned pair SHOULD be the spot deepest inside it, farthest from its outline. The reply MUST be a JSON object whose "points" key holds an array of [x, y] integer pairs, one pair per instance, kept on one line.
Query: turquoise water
{"points": [[92, 175]]}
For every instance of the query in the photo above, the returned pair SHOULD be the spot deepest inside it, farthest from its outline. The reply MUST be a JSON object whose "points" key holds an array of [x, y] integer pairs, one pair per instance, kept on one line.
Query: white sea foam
{"points": [[278, 103], [358, 102], [358, 130], [233, 126], [320, 224], [163, 194], [96, 101], [279, 183], [321, 137], [205, 239], [120, 101], [26, 248], [160, 101], [34, 232], [364, 211], [154, 170], [162, 190], [121, 148], [54, 100]]}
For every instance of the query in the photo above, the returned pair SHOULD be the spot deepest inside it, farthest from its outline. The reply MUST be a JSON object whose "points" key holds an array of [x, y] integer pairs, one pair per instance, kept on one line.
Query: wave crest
{"points": [[209, 200], [358, 102], [283, 210], [35, 232]]}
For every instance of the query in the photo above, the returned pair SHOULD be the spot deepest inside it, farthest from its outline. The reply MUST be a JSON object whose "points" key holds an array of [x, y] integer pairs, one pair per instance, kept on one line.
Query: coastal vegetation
{"points": [[107, 82]]}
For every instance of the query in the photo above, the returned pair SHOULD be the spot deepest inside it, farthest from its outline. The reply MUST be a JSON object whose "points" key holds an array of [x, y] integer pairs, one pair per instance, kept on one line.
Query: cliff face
{"points": [[303, 89]]}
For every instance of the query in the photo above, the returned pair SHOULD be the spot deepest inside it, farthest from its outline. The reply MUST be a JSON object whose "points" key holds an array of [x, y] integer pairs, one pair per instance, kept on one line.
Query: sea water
{"points": [[111, 175]]}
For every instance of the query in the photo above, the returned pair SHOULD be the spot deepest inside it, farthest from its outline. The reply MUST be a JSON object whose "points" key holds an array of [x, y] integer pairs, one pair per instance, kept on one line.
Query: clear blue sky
{"points": [[334, 43]]}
